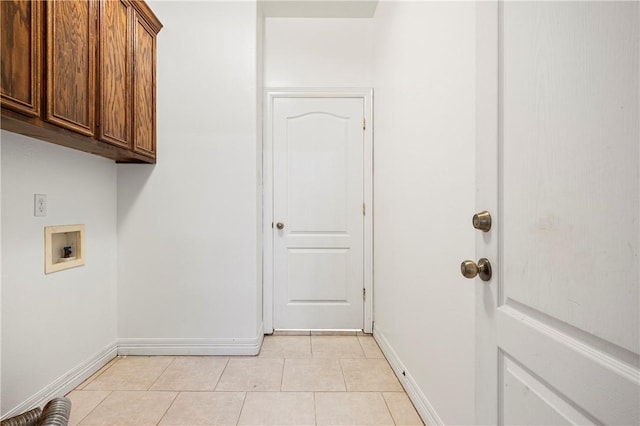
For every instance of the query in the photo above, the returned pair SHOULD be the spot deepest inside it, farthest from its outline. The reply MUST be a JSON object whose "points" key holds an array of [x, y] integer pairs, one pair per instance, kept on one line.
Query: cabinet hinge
{"points": [[364, 209], [364, 123], [364, 294]]}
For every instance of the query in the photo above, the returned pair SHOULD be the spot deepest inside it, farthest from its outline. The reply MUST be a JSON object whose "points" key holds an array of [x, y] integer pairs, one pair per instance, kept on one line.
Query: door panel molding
{"points": [[561, 358], [366, 94]]}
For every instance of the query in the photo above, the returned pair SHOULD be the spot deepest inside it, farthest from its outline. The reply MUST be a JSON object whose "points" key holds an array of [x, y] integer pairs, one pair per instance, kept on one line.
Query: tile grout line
{"points": [[99, 373], [315, 410], [244, 399], [386, 404], [169, 407], [362, 347], [173, 359], [102, 370], [94, 408], [284, 363], [344, 380], [221, 373]]}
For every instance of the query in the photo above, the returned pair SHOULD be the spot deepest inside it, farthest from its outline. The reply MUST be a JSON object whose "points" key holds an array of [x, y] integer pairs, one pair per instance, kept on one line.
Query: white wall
{"points": [[51, 324], [258, 157], [318, 52], [424, 196], [1, 410], [188, 249]]}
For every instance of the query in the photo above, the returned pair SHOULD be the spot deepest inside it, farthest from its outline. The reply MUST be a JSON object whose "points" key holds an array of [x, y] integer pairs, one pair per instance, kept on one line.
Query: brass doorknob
{"points": [[470, 269], [482, 221], [280, 225]]}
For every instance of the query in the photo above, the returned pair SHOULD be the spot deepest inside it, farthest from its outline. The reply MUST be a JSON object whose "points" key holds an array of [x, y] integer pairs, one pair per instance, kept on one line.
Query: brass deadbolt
{"points": [[470, 269], [482, 221]]}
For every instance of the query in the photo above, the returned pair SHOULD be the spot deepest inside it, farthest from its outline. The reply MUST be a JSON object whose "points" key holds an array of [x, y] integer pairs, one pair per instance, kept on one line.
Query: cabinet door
{"points": [[114, 73], [71, 45], [144, 88], [20, 52]]}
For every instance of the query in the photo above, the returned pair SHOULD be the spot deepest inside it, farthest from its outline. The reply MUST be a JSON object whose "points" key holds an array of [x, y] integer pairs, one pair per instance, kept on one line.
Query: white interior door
{"points": [[557, 337], [318, 196]]}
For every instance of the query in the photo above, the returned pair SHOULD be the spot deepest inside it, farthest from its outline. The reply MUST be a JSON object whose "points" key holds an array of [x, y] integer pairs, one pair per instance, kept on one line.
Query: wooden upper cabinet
{"points": [[21, 55], [144, 87], [71, 49], [114, 73], [81, 74], [127, 75]]}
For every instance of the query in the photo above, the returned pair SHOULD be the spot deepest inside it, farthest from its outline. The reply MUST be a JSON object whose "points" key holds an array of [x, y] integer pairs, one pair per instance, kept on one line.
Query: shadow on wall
{"points": [[137, 176]]}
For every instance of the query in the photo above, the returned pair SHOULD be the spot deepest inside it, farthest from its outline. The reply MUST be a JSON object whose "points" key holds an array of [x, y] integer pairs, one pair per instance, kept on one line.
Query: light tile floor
{"points": [[295, 380]]}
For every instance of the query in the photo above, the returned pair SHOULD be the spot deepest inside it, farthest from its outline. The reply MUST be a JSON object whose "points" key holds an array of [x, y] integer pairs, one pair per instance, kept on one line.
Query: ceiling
{"points": [[318, 8]]}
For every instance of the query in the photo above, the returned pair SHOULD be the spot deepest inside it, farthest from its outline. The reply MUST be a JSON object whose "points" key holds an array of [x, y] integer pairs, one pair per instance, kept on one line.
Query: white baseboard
{"points": [[68, 381], [420, 401], [231, 346]]}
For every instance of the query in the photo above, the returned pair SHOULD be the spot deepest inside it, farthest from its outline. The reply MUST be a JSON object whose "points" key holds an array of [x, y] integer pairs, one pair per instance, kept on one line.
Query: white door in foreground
{"points": [[318, 239], [557, 326]]}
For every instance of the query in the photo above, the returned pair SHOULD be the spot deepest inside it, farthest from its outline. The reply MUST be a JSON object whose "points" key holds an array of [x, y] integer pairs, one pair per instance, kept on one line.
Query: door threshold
{"points": [[318, 332]]}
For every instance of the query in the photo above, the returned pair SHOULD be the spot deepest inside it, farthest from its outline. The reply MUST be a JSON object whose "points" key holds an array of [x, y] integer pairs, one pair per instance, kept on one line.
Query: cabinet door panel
{"points": [[144, 85], [115, 73], [71, 38], [20, 50]]}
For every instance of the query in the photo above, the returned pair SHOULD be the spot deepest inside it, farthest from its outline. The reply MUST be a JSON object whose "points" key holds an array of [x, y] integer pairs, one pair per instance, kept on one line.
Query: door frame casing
{"points": [[270, 94]]}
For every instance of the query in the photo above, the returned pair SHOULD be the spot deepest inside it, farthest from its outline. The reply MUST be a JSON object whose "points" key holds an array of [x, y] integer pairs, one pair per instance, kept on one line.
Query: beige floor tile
{"points": [[351, 408], [251, 374], [336, 347], [83, 402], [375, 396], [312, 375], [131, 373], [369, 375], [194, 373], [96, 374], [402, 409], [370, 347], [278, 408], [205, 408], [286, 347], [131, 408]]}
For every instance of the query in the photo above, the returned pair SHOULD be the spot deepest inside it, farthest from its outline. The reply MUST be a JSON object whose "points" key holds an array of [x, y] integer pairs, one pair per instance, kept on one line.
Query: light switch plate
{"points": [[39, 205]]}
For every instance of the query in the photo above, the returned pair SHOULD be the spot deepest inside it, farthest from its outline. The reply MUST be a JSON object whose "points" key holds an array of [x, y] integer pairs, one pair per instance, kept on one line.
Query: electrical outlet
{"points": [[39, 205]]}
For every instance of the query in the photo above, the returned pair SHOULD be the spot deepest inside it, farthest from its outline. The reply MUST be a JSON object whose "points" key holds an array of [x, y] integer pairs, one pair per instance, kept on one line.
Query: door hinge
{"points": [[364, 123], [364, 209], [364, 294]]}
